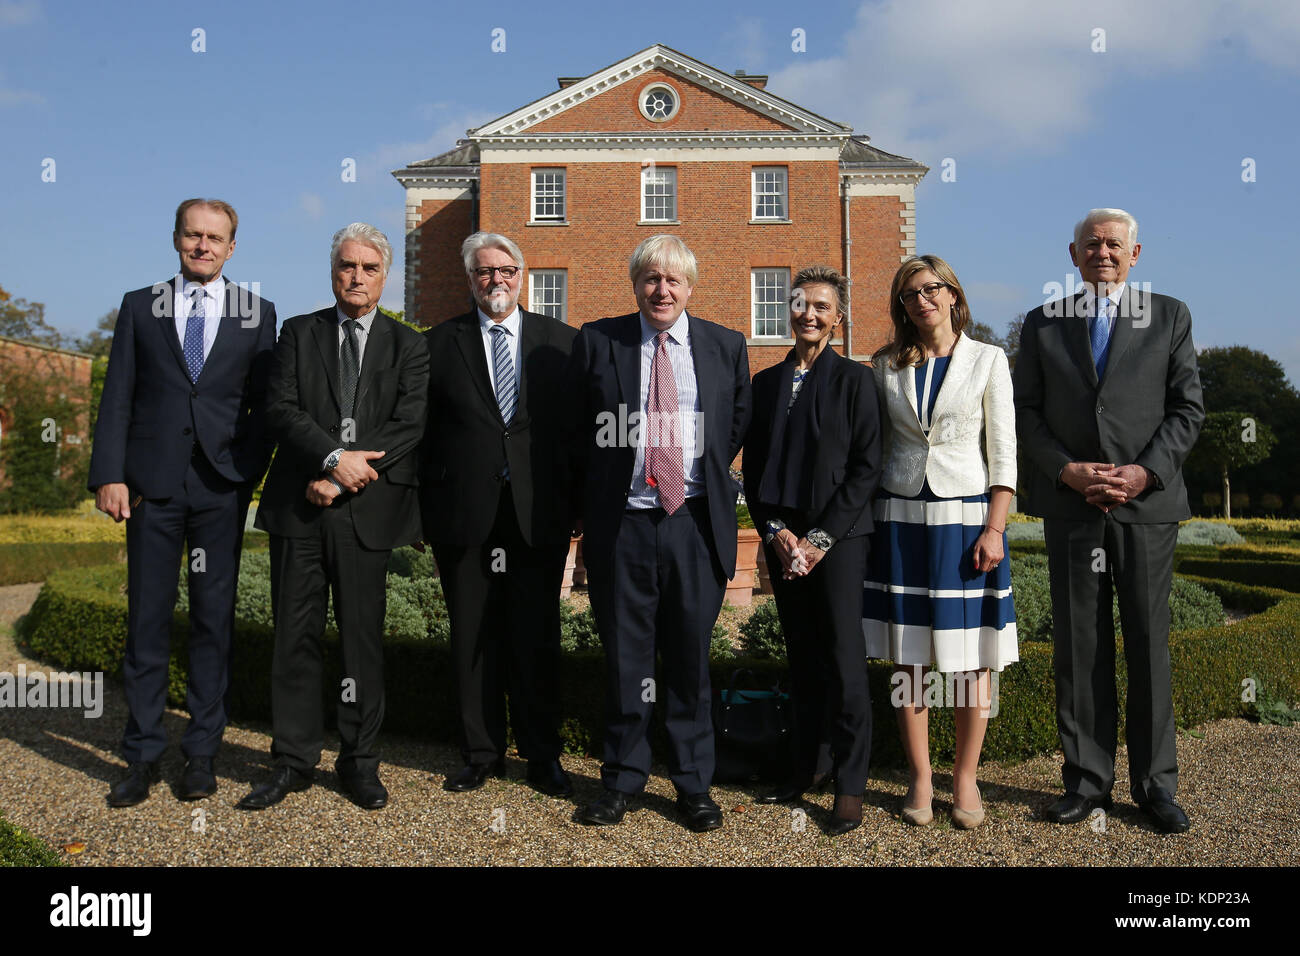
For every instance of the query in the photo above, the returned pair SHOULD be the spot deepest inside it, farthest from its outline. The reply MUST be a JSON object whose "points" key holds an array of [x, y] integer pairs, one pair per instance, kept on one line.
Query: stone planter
{"points": [[570, 566], [579, 568], [764, 578], [740, 589]]}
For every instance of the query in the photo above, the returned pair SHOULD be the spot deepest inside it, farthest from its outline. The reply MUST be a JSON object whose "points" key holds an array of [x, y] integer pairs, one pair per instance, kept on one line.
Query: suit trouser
{"points": [[503, 598], [661, 592], [821, 617], [204, 523], [1082, 556], [303, 572]]}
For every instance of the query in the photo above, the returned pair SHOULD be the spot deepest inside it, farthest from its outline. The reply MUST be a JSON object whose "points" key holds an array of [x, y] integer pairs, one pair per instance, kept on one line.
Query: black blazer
{"points": [[843, 468], [604, 374], [151, 415], [303, 414], [466, 444], [1146, 410]]}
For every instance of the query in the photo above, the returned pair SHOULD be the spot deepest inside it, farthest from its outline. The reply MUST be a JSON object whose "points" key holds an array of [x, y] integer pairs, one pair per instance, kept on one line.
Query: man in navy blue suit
{"points": [[179, 445], [661, 404]]}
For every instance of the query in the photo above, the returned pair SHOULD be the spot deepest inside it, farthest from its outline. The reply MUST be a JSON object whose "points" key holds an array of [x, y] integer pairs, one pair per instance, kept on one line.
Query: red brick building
{"points": [[757, 186]]}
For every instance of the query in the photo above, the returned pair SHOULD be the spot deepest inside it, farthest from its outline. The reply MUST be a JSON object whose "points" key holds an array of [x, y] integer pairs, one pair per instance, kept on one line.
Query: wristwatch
{"points": [[332, 460], [819, 539], [774, 527]]}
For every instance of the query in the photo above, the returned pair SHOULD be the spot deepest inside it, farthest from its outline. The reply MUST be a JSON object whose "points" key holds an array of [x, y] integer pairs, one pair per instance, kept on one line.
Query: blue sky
{"points": [[1039, 125]]}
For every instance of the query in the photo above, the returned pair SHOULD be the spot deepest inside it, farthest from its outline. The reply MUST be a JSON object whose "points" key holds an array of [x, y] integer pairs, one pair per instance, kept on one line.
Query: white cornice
{"points": [[669, 140], [865, 179], [670, 61], [413, 178], [667, 153]]}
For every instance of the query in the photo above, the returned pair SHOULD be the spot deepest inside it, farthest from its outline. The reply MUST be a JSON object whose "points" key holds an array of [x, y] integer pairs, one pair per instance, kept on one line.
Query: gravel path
{"points": [[1237, 784]]}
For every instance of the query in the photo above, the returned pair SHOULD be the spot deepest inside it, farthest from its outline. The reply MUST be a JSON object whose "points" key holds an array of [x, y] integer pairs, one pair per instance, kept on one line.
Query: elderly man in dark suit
{"points": [[1108, 404], [346, 403], [495, 509], [662, 402], [179, 446]]}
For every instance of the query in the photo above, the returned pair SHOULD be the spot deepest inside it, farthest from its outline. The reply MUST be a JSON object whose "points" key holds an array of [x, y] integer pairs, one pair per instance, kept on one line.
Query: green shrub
{"points": [[1208, 532], [19, 848], [1189, 604], [29, 562], [578, 629], [1024, 531], [761, 637]]}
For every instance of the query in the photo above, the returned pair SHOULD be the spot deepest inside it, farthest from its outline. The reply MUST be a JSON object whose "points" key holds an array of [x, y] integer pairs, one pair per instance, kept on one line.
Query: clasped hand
{"points": [[353, 471], [798, 557], [1105, 486]]}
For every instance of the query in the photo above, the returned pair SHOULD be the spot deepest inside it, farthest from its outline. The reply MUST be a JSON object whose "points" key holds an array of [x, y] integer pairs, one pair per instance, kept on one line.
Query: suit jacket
{"points": [[1146, 410], [971, 445], [467, 445], [304, 415], [841, 470], [604, 374], [151, 414]]}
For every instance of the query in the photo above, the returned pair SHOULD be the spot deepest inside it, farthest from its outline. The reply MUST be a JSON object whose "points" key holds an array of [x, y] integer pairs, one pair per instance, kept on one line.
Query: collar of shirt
{"points": [[679, 331], [1090, 297], [511, 322], [212, 293], [365, 321]]}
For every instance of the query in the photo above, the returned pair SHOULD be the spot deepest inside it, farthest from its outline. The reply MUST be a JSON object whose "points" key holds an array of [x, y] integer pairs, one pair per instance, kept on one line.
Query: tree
{"points": [[20, 319], [99, 341], [1239, 379], [981, 332], [1012, 341], [1232, 440]]}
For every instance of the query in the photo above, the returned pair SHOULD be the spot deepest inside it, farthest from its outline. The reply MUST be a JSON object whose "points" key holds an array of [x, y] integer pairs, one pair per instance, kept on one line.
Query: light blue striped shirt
{"points": [[642, 495]]}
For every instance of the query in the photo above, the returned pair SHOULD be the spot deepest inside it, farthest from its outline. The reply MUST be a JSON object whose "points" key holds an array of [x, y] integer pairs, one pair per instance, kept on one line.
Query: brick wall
{"points": [[439, 290]]}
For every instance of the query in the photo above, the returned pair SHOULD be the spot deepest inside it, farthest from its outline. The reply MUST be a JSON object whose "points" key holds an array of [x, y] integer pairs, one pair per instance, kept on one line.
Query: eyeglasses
{"points": [[507, 272], [929, 290]]}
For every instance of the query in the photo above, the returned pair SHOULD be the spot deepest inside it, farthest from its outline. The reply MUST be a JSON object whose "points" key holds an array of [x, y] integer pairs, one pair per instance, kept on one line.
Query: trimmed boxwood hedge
{"points": [[28, 562], [79, 622], [20, 848]]}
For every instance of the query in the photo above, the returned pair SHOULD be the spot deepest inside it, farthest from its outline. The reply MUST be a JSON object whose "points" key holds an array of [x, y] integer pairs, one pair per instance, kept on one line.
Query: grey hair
{"points": [[1106, 215], [365, 233], [489, 240], [667, 251]]}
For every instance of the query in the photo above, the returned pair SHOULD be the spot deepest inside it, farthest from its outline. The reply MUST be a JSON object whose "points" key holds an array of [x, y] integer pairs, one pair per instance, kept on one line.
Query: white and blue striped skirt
{"points": [[923, 601]]}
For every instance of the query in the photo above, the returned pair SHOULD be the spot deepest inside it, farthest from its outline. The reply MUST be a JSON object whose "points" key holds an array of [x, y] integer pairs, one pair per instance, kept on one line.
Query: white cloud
{"points": [[390, 156], [16, 13], [927, 77], [14, 97], [312, 205], [745, 41]]}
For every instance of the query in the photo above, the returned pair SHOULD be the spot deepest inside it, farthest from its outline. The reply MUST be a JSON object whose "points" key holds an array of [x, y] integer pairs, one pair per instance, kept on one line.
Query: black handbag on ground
{"points": [[753, 733]]}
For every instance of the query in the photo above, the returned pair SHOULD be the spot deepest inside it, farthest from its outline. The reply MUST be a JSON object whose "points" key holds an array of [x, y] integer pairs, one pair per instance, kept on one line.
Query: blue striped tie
{"points": [[193, 345], [1100, 335], [503, 370]]}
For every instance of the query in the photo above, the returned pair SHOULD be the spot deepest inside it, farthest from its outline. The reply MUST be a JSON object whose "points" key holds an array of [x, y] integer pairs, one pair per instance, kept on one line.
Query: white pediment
{"points": [[660, 57]]}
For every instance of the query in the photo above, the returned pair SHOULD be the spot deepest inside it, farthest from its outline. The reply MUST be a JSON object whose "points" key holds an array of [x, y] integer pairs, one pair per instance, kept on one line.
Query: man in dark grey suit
{"points": [[662, 402], [1108, 404]]}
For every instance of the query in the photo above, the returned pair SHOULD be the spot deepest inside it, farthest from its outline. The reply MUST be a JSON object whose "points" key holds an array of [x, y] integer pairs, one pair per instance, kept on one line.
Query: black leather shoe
{"points": [[284, 781], [701, 813], [1165, 815], [1075, 808], [472, 776], [134, 787], [846, 816], [794, 789], [549, 777], [365, 790], [198, 781], [607, 811]]}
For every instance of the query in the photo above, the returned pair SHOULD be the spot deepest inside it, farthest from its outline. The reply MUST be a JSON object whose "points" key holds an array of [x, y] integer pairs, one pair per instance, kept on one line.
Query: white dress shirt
{"points": [[512, 323], [214, 302]]}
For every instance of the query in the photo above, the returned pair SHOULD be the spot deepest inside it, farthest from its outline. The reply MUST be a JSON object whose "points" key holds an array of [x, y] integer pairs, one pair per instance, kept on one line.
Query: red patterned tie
{"points": [[663, 462]]}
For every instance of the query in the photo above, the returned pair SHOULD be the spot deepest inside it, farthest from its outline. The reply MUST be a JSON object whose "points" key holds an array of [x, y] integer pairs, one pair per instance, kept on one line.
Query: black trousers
{"points": [[204, 524], [503, 598], [1082, 558], [303, 572], [821, 617], [661, 593]]}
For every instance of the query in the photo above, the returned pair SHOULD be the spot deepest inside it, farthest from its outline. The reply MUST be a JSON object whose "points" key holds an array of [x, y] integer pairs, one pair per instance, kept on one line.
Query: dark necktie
{"points": [[349, 367], [503, 370], [663, 462], [193, 346]]}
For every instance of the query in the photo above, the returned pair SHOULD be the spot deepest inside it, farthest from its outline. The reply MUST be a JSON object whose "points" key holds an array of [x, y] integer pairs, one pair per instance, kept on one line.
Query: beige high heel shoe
{"points": [[968, 819], [919, 816]]}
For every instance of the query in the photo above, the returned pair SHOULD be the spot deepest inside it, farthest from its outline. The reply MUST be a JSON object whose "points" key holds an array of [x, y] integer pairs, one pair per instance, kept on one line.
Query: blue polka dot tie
{"points": [[1100, 335], [193, 345]]}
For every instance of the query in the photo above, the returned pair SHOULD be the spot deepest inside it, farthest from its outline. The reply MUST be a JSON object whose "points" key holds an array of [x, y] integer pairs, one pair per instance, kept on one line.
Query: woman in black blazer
{"points": [[811, 465]]}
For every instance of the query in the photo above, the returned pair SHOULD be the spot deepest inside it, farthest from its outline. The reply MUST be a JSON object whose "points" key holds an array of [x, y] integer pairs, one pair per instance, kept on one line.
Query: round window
{"points": [[659, 102]]}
